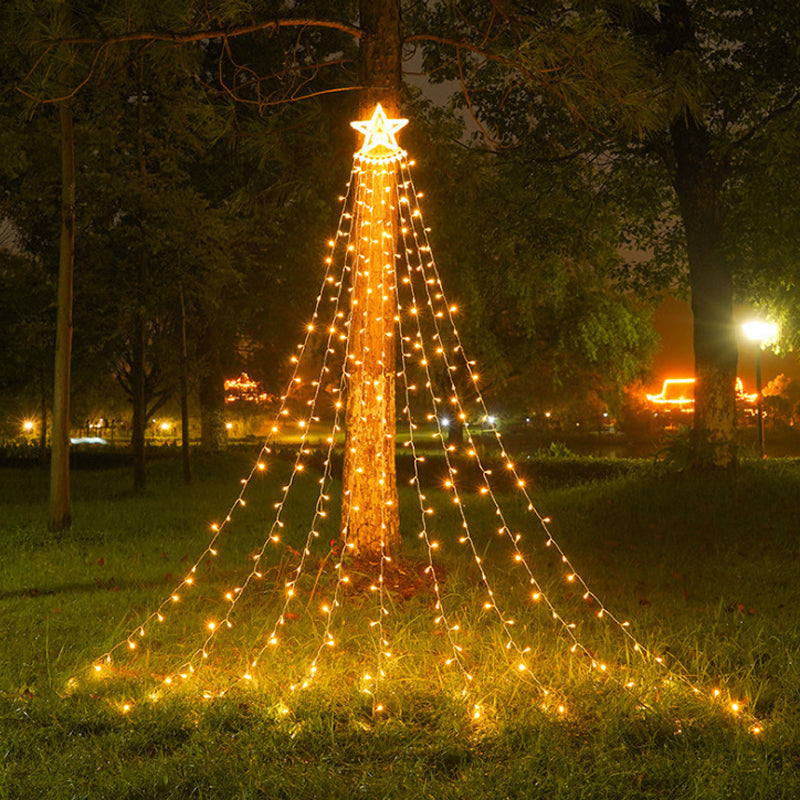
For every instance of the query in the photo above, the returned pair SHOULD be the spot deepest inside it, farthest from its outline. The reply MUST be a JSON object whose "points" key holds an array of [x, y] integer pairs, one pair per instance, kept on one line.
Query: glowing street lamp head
{"points": [[760, 331], [379, 136]]}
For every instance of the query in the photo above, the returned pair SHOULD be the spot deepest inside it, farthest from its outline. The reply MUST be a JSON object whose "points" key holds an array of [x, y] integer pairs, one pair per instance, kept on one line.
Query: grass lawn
{"points": [[705, 570]]}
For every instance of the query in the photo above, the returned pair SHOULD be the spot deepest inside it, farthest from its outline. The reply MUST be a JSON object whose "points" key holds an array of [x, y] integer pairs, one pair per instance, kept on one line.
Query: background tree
{"points": [[677, 93], [527, 239]]}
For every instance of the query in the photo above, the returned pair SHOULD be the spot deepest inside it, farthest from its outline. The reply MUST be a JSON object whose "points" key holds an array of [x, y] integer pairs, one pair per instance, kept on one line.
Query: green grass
{"points": [[705, 570]]}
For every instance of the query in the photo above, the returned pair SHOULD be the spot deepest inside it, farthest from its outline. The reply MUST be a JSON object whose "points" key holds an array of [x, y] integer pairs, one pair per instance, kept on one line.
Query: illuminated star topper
{"points": [[379, 142]]}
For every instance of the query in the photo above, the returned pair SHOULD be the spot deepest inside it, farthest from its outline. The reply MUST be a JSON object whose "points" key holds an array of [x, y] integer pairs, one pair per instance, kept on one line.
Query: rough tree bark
{"points": [[211, 392], [697, 180], [711, 283], [139, 336], [60, 505], [138, 400], [369, 504], [42, 413], [186, 457]]}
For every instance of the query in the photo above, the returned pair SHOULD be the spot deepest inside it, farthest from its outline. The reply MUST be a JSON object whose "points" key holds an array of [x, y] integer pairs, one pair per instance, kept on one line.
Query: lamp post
{"points": [[759, 332]]}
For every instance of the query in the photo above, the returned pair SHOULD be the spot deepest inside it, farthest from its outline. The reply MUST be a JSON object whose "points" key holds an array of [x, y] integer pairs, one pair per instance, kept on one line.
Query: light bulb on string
{"points": [[571, 574], [380, 156], [218, 528]]}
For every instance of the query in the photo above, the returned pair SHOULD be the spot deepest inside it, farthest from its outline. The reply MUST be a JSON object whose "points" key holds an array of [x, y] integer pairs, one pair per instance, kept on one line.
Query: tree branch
{"points": [[171, 37], [759, 126], [427, 37], [215, 33]]}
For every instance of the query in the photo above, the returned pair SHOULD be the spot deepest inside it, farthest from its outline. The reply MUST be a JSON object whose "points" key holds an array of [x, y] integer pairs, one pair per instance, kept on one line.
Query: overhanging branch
{"points": [[102, 43], [174, 37]]}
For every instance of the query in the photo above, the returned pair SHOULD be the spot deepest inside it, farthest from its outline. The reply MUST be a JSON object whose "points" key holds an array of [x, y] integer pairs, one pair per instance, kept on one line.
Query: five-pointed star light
{"points": [[379, 131]]}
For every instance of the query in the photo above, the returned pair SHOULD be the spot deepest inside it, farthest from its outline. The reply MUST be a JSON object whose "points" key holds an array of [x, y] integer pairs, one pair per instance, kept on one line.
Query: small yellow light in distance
{"points": [[735, 707], [561, 709], [262, 466], [97, 667], [126, 708], [212, 626]]}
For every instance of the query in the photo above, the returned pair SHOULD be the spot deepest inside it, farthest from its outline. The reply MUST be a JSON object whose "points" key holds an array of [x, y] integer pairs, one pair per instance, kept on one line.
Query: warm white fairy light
{"points": [[572, 575], [442, 619], [521, 653], [446, 312], [362, 220], [217, 529], [385, 223], [486, 489], [327, 640], [320, 512]]}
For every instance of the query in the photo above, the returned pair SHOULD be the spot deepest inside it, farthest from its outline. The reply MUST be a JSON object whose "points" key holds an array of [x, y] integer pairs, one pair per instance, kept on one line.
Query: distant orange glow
{"points": [[244, 389], [742, 396], [675, 393], [678, 394]]}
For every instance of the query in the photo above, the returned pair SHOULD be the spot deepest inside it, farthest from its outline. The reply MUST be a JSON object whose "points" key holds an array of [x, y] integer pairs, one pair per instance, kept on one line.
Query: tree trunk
{"points": [[697, 184], [138, 403], [42, 413], [138, 377], [380, 57], [60, 506], [370, 520], [369, 507], [711, 282], [455, 433], [185, 451], [211, 394]]}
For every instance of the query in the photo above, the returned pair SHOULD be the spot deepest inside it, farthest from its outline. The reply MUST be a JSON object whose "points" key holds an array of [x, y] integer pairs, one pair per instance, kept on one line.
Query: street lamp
{"points": [[760, 332]]}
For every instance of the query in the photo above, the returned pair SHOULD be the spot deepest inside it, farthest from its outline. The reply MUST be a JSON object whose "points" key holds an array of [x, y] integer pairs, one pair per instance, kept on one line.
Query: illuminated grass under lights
{"points": [[705, 570]]}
